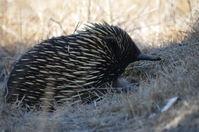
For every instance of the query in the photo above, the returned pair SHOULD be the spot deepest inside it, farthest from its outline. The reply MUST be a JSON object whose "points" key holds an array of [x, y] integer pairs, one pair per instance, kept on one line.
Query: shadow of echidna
{"points": [[61, 68]]}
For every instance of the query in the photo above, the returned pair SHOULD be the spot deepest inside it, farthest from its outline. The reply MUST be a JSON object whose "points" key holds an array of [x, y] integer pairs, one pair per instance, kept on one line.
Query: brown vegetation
{"points": [[169, 29]]}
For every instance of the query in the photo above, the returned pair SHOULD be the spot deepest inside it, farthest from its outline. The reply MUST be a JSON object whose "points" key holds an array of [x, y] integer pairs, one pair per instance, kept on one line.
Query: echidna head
{"points": [[136, 55], [117, 43]]}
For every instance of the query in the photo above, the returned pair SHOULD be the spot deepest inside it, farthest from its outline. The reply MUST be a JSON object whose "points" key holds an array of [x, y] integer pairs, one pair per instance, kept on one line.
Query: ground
{"points": [[138, 110]]}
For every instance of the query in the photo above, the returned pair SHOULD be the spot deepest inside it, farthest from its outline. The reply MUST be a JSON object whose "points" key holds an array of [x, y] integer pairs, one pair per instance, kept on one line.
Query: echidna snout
{"points": [[142, 56], [74, 67]]}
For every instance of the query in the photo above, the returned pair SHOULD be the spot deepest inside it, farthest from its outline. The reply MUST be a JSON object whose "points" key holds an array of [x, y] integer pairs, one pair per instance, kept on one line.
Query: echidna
{"points": [[73, 67]]}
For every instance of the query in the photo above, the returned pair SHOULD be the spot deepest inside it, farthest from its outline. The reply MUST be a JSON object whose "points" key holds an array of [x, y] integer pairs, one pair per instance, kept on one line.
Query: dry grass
{"points": [[172, 27]]}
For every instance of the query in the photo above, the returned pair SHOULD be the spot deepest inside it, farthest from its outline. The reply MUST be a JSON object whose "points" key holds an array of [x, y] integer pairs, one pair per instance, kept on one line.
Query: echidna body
{"points": [[61, 68]]}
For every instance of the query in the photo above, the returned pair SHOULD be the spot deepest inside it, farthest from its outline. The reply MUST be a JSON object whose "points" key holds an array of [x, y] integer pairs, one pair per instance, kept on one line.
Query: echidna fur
{"points": [[61, 68]]}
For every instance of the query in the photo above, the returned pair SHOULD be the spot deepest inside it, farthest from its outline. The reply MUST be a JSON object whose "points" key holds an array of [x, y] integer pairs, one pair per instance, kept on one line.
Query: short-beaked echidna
{"points": [[60, 69]]}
